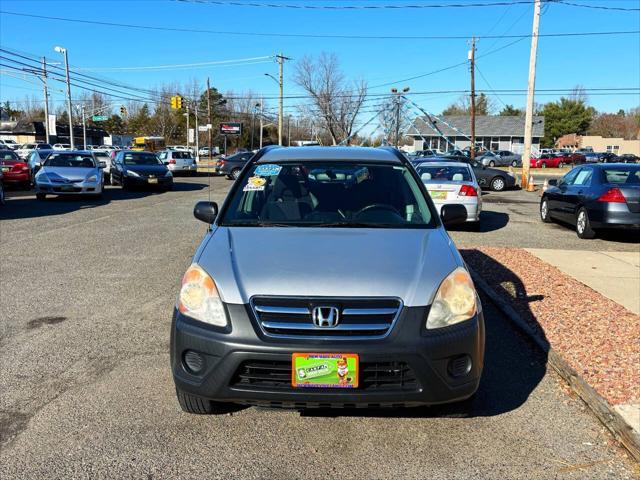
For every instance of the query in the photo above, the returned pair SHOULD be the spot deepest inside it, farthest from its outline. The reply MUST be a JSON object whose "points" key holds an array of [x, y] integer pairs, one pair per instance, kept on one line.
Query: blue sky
{"points": [[593, 62]]}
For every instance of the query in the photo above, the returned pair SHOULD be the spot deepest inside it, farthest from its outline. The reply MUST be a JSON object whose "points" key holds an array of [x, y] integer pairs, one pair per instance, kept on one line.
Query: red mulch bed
{"points": [[597, 336]]}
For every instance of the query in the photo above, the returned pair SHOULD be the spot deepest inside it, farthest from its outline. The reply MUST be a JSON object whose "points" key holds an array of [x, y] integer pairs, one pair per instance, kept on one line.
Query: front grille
{"points": [[357, 318], [374, 376]]}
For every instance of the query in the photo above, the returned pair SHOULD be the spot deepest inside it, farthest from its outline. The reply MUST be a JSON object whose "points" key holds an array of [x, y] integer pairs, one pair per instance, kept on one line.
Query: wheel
{"points": [[112, 181], [583, 225], [26, 185], [106, 178], [41, 196], [492, 163], [497, 184], [198, 405], [543, 165], [125, 185], [544, 211], [1, 195], [514, 163], [561, 165], [235, 173]]}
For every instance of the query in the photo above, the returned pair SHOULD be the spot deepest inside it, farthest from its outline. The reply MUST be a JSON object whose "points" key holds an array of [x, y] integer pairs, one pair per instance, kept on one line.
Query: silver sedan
{"points": [[69, 173], [453, 183]]}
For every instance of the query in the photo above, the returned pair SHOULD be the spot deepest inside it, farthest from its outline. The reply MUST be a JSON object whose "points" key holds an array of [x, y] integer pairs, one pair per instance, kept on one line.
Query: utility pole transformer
{"points": [[210, 125], [472, 60], [528, 120]]}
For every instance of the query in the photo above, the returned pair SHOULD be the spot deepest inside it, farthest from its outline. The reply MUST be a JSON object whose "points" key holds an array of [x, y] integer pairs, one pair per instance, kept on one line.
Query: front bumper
{"points": [[427, 355], [185, 168], [81, 188]]}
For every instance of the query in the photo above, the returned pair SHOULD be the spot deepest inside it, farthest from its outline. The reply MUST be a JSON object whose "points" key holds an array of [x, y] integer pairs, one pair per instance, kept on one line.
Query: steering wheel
{"points": [[376, 206]]}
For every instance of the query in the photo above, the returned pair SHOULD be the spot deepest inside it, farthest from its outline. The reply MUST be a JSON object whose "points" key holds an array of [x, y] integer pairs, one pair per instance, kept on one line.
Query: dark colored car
{"points": [[14, 170], [594, 157], [593, 197], [629, 158], [134, 168], [488, 178], [232, 166]]}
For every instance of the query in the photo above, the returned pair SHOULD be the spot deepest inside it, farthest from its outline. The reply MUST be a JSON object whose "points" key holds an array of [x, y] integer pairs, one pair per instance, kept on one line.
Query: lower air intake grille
{"points": [[374, 376]]}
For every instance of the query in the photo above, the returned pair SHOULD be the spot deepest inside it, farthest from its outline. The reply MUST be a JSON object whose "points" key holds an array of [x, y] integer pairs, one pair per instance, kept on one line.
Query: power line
{"points": [[222, 63], [311, 35], [596, 7]]}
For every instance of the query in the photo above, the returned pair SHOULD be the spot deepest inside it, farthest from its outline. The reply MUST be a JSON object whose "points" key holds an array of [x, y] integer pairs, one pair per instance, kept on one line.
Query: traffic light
{"points": [[123, 110], [176, 102]]}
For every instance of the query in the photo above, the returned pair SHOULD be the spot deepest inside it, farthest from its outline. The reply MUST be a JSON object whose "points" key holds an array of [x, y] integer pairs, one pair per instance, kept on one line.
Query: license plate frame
{"points": [[307, 370], [66, 188], [152, 180]]}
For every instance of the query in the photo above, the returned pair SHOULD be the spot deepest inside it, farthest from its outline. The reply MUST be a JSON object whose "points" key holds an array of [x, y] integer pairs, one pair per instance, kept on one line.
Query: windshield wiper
{"points": [[258, 224]]}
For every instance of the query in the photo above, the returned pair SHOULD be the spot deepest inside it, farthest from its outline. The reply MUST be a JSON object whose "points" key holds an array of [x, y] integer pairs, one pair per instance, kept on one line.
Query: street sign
{"points": [[192, 135], [202, 128], [99, 118], [231, 128]]}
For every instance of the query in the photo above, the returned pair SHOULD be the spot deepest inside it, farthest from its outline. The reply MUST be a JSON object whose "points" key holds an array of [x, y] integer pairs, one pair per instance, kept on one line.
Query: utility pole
{"points": [[66, 68], [197, 132], [289, 130], [84, 128], [46, 98], [187, 107], [472, 60], [398, 97], [281, 59], [261, 117], [210, 125], [528, 120]]}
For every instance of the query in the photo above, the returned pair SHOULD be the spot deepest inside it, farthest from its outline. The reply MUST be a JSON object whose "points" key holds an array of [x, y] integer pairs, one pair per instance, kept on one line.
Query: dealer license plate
{"points": [[153, 180], [324, 370], [66, 188], [437, 194]]}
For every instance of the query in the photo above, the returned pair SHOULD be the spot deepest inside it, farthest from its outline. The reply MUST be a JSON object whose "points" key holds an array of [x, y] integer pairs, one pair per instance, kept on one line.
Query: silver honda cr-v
{"points": [[326, 279]]}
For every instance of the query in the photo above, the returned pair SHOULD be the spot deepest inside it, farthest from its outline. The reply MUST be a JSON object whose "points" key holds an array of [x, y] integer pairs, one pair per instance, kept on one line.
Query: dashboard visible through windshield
{"points": [[329, 194]]}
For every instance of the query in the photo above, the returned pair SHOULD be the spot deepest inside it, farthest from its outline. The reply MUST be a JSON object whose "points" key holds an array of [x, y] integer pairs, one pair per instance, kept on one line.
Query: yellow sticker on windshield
{"points": [[255, 184]]}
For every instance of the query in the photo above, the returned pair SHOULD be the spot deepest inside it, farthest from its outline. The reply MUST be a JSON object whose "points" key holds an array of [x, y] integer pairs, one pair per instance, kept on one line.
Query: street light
{"points": [[63, 51]]}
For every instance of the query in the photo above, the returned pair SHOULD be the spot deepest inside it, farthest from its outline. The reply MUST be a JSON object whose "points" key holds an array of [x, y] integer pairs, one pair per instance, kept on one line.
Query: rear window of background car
{"points": [[629, 176]]}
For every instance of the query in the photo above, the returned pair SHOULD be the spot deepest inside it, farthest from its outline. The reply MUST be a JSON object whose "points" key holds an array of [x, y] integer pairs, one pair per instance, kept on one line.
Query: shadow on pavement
{"points": [[489, 222], [25, 205]]}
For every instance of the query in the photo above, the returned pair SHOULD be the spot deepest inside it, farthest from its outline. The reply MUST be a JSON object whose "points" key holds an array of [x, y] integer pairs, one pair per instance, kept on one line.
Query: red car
{"points": [[14, 170], [553, 160]]}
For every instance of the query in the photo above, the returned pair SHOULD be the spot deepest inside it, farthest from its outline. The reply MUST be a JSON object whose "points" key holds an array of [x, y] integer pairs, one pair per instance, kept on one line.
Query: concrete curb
{"points": [[617, 425]]}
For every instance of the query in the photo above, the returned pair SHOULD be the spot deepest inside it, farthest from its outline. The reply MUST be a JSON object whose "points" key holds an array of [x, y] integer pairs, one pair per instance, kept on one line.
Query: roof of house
{"points": [[486, 126]]}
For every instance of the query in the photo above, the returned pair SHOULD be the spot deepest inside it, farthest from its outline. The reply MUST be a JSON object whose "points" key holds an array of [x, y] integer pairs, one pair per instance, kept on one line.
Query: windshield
{"points": [[331, 194], [140, 158], [70, 160], [622, 175], [181, 154], [443, 173]]}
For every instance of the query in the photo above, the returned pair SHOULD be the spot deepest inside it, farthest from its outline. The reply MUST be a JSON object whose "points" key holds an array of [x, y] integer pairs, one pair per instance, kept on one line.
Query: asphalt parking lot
{"points": [[87, 291]]}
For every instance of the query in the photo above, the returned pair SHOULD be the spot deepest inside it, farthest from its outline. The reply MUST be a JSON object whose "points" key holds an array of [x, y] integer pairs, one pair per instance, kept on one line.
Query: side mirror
{"points": [[103, 164], [552, 182], [206, 211], [453, 214]]}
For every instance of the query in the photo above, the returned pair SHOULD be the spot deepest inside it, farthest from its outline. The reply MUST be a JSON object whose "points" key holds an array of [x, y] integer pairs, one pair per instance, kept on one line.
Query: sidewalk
{"points": [[616, 275]]}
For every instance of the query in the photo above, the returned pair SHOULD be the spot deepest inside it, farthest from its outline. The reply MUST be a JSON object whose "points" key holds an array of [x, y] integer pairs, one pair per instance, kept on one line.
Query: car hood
{"points": [[147, 169], [69, 173], [328, 262]]}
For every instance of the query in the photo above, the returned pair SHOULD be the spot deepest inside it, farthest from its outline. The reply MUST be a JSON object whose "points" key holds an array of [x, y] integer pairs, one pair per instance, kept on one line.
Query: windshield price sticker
{"points": [[267, 170], [254, 184]]}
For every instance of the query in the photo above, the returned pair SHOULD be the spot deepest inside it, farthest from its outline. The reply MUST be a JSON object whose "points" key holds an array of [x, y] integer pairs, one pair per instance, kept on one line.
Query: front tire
{"points": [[492, 163], [544, 211], [498, 184], [198, 405], [41, 196], [583, 225], [514, 163], [112, 181], [544, 165], [235, 173]]}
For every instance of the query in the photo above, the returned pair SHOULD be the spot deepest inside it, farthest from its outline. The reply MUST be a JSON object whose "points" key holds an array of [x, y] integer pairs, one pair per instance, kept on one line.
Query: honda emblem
{"points": [[325, 317]]}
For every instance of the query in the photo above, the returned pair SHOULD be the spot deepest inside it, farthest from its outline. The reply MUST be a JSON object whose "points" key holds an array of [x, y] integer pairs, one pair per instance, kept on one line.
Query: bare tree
{"points": [[335, 101]]}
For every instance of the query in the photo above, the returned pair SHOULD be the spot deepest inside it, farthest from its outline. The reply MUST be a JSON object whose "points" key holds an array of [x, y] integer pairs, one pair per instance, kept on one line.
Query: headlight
{"points": [[131, 173], [92, 178], [199, 297], [168, 174], [454, 302]]}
